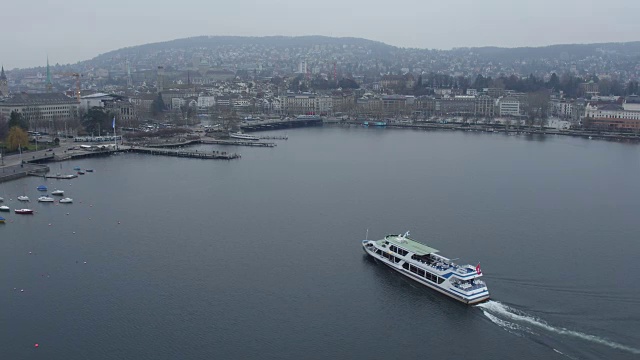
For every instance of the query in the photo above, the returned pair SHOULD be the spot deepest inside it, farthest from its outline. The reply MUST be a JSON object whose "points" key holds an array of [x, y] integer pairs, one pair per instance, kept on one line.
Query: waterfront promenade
{"points": [[21, 165]]}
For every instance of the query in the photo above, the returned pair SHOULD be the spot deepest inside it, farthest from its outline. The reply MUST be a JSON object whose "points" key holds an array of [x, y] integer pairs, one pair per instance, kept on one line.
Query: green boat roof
{"points": [[410, 244]]}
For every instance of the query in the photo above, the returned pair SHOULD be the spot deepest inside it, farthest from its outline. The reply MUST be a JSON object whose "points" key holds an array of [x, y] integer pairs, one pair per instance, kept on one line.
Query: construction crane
{"points": [[77, 76]]}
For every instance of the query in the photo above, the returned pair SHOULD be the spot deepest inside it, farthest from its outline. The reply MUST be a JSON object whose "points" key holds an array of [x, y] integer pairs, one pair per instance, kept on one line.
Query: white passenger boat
{"points": [[421, 263], [58, 192], [23, 198], [4, 208], [45, 199], [241, 136], [66, 201], [1, 199]]}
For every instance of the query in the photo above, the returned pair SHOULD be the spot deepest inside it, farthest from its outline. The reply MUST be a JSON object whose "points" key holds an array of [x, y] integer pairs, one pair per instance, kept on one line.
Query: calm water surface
{"points": [[260, 258]]}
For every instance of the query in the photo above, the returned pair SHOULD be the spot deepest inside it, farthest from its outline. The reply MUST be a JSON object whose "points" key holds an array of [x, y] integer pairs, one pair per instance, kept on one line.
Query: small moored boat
{"points": [[42, 188], [23, 211], [1, 199], [45, 199], [4, 208], [66, 201], [76, 168], [88, 170], [58, 192], [2, 220], [80, 172], [23, 198]]}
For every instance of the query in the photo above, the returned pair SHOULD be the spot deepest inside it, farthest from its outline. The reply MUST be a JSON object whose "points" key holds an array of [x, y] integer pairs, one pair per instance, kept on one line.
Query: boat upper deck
{"points": [[409, 244]]}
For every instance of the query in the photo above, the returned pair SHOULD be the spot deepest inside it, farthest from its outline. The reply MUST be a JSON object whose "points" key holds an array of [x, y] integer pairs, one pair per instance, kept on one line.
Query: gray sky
{"points": [[73, 30]]}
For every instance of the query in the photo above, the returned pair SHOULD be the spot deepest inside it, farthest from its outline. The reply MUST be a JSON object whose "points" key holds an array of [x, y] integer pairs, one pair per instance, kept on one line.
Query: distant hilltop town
{"points": [[592, 86]]}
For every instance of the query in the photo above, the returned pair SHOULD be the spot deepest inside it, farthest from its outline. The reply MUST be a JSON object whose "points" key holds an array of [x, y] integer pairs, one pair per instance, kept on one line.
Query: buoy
{"points": [[21, 290], [67, 213], [85, 262], [74, 232], [118, 222], [49, 224], [90, 205], [36, 345]]}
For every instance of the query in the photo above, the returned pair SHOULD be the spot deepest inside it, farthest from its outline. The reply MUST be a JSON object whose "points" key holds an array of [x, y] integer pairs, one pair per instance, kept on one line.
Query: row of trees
{"points": [[570, 85]]}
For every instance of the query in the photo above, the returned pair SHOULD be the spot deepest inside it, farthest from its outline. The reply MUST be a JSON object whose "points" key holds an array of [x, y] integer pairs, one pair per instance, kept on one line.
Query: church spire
{"points": [[49, 84], [4, 84]]}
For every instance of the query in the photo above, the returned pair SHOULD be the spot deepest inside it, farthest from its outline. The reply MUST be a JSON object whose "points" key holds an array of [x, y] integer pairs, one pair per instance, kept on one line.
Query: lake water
{"points": [[260, 258]]}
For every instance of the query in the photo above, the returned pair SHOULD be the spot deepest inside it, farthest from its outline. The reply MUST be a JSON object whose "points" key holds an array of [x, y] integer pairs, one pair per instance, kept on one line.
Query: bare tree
{"points": [[507, 123], [537, 108]]}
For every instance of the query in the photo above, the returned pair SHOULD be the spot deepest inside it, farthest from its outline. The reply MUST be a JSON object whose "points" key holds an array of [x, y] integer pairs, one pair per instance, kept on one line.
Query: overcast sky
{"points": [[73, 30]]}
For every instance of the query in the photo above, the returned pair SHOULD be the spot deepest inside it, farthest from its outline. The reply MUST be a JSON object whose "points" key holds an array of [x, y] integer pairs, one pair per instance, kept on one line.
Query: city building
{"points": [[118, 105], [508, 106], [485, 106], [43, 109], [299, 104], [611, 116], [206, 101]]}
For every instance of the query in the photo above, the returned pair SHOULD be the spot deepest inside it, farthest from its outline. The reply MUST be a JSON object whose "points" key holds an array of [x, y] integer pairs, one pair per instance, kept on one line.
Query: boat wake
{"points": [[516, 321]]}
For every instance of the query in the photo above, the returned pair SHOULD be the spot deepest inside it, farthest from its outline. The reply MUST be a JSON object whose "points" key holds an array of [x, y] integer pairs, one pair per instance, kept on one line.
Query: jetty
{"points": [[237, 143], [209, 141], [13, 172], [214, 155], [274, 137]]}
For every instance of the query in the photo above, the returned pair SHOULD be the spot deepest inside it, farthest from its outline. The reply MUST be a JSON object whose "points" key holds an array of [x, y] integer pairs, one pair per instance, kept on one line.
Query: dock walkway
{"points": [[237, 143], [216, 155]]}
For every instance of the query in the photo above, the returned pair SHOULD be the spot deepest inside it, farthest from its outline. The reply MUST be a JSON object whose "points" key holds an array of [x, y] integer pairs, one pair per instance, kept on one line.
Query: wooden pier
{"points": [[214, 155], [237, 143], [273, 137]]}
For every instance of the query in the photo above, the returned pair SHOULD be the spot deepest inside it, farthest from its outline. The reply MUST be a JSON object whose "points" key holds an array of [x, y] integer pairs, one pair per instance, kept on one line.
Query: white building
{"points": [[612, 116], [205, 102], [241, 103], [177, 103], [508, 106], [94, 100]]}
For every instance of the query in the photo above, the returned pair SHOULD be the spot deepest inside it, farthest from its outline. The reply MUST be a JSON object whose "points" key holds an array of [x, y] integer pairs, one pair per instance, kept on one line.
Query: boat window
{"points": [[440, 280], [405, 266], [421, 272]]}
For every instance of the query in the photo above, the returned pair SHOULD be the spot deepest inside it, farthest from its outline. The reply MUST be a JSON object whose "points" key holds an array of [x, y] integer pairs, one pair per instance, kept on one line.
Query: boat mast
{"points": [[115, 142]]}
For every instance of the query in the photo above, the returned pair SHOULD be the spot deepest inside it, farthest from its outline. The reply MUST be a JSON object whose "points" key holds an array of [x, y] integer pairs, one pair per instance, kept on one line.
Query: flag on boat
{"points": [[113, 125], [478, 269]]}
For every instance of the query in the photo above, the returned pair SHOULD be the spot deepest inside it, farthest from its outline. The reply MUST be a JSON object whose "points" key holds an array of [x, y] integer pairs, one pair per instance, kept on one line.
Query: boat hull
{"points": [[462, 299]]}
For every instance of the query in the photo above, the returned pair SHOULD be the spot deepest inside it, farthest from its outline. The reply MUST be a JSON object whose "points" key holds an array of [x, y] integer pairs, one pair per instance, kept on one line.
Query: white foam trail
{"points": [[502, 323], [515, 315]]}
